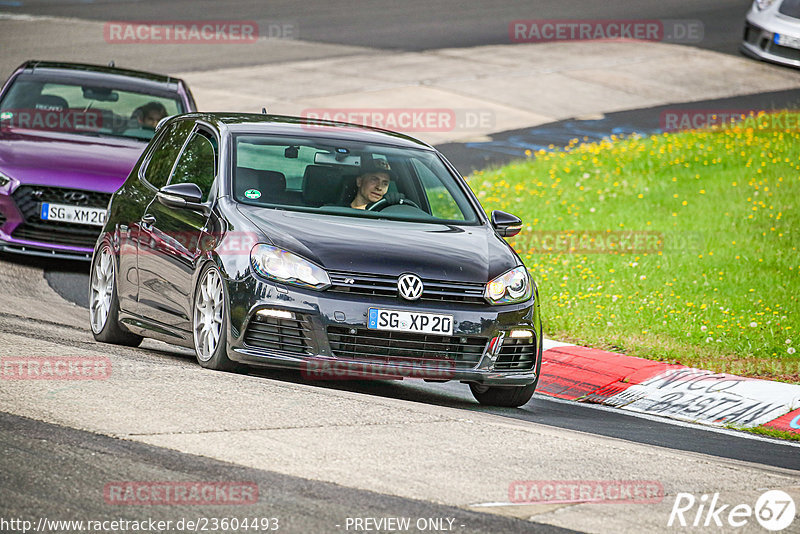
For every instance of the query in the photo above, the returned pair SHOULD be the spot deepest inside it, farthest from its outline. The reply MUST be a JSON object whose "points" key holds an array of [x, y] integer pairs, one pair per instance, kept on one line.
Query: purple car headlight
{"points": [[5, 180]]}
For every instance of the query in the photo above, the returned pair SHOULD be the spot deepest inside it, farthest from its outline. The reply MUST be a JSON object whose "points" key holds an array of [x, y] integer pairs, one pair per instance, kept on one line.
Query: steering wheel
{"points": [[384, 203]]}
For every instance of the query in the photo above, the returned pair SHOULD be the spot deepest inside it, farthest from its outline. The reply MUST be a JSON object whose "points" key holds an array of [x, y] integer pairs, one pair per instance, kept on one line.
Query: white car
{"points": [[772, 31]]}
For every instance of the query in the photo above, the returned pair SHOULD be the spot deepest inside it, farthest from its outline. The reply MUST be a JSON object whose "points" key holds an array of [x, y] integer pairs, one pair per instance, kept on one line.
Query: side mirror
{"points": [[505, 224], [181, 196]]}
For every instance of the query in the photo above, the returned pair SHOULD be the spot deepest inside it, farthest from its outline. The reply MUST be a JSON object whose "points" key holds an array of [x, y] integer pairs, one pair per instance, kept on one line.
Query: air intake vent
{"points": [[517, 354], [285, 335]]}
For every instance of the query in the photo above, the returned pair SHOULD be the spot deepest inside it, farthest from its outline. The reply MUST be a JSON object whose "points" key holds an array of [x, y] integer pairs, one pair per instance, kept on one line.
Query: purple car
{"points": [[69, 136]]}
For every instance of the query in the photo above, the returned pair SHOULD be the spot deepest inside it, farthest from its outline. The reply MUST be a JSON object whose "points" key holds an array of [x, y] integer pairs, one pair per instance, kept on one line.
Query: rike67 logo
{"points": [[774, 510]]}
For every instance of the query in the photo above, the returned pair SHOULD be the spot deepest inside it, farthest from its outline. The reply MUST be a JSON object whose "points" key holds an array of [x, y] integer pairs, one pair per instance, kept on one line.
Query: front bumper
{"points": [[22, 233], [759, 40], [327, 337]]}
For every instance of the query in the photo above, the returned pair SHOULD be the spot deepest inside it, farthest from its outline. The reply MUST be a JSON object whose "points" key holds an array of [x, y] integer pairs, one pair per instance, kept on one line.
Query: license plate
{"points": [[404, 321], [787, 40], [73, 214]]}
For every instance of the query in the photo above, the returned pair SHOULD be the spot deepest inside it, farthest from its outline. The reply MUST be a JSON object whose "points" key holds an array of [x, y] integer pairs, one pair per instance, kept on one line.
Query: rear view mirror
{"points": [[329, 158], [100, 93], [505, 224]]}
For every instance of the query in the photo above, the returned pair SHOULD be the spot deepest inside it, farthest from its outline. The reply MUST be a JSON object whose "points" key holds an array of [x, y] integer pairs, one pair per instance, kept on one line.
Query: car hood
{"points": [[376, 246], [63, 160]]}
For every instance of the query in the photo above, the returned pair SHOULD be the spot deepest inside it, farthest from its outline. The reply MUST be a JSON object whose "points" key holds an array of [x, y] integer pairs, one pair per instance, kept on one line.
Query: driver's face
{"points": [[151, 120], [373, 186]]}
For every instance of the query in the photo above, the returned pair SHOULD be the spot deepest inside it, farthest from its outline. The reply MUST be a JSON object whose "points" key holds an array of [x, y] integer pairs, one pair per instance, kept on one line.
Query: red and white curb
{"points": [[582, 374]]}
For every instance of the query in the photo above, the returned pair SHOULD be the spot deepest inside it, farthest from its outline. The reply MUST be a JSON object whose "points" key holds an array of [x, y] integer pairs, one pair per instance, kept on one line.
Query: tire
{"points": [[210, 322], [104, 304], [504, 396]]}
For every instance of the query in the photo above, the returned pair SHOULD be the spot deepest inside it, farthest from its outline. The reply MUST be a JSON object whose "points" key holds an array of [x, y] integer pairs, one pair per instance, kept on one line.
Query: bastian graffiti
{"points": [[697, 395]]}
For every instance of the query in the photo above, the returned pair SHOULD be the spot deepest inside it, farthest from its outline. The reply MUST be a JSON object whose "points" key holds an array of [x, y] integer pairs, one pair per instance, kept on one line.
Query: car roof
{"points": [[252, 123], [99, 71]]}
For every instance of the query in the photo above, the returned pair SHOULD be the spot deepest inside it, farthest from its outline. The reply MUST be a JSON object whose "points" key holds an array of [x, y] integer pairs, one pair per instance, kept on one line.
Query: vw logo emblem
{"points": [[75, 197], [409, 286]]}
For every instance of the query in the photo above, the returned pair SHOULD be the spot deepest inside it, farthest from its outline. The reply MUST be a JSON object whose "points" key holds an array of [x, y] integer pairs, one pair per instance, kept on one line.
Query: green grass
{"points": [[714, 282], [771, 432]]}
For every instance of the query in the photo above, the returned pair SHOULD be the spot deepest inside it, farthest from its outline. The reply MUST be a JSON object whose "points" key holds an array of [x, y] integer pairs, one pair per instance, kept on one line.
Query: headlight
{"points": [[282, 266], [512, 286], [761, 5], [4, 179]]}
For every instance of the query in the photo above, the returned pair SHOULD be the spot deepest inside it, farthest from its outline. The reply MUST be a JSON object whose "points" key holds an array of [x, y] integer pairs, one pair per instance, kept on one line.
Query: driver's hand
{"points": [[394, 197]]}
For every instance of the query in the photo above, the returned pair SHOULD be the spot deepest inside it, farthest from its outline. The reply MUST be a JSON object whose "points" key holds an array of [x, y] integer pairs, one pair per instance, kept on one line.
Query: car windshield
{"points": [[37, 102], [347, 178]]}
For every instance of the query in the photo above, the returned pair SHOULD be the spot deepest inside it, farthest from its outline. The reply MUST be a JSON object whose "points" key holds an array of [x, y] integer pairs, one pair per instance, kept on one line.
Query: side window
{"points": [[165, 152], [197, 163], [442, 203]]}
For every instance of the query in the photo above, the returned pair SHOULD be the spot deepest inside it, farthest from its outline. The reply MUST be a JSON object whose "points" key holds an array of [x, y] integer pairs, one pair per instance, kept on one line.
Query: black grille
{"points": [[62, 236], [388, 347], [287, 335], [785, 51], [516, 354], [386, 286], [29, 201], [751, 34], [2, 218], [29, 197], [790, 8]]}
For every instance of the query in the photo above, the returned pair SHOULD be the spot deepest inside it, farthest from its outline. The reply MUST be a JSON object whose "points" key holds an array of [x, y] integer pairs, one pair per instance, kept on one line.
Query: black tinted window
{"points": [[340, 177], [163, 157], [197, 164]]}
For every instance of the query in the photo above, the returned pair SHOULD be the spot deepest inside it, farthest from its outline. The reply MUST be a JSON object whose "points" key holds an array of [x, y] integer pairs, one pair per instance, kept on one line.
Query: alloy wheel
{"points": [[102, 287], [208, 309]]}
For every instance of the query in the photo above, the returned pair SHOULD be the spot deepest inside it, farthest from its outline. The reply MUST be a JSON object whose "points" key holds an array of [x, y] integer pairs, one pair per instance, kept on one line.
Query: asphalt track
{"points": [[65, 470], [411, 25]]}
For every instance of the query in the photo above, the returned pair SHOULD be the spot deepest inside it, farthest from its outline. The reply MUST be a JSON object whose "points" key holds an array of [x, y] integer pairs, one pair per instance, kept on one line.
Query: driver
{"points": [[373, 183], [149, 115]]}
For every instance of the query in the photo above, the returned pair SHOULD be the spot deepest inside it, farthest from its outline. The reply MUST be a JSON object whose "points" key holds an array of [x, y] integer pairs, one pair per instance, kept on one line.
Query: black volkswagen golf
{"points": [[339, 250]]}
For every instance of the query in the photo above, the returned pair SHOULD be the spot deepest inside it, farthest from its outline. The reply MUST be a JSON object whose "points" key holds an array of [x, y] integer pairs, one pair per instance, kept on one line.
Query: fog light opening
{"points": [[276, 314], [521, 334]]}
